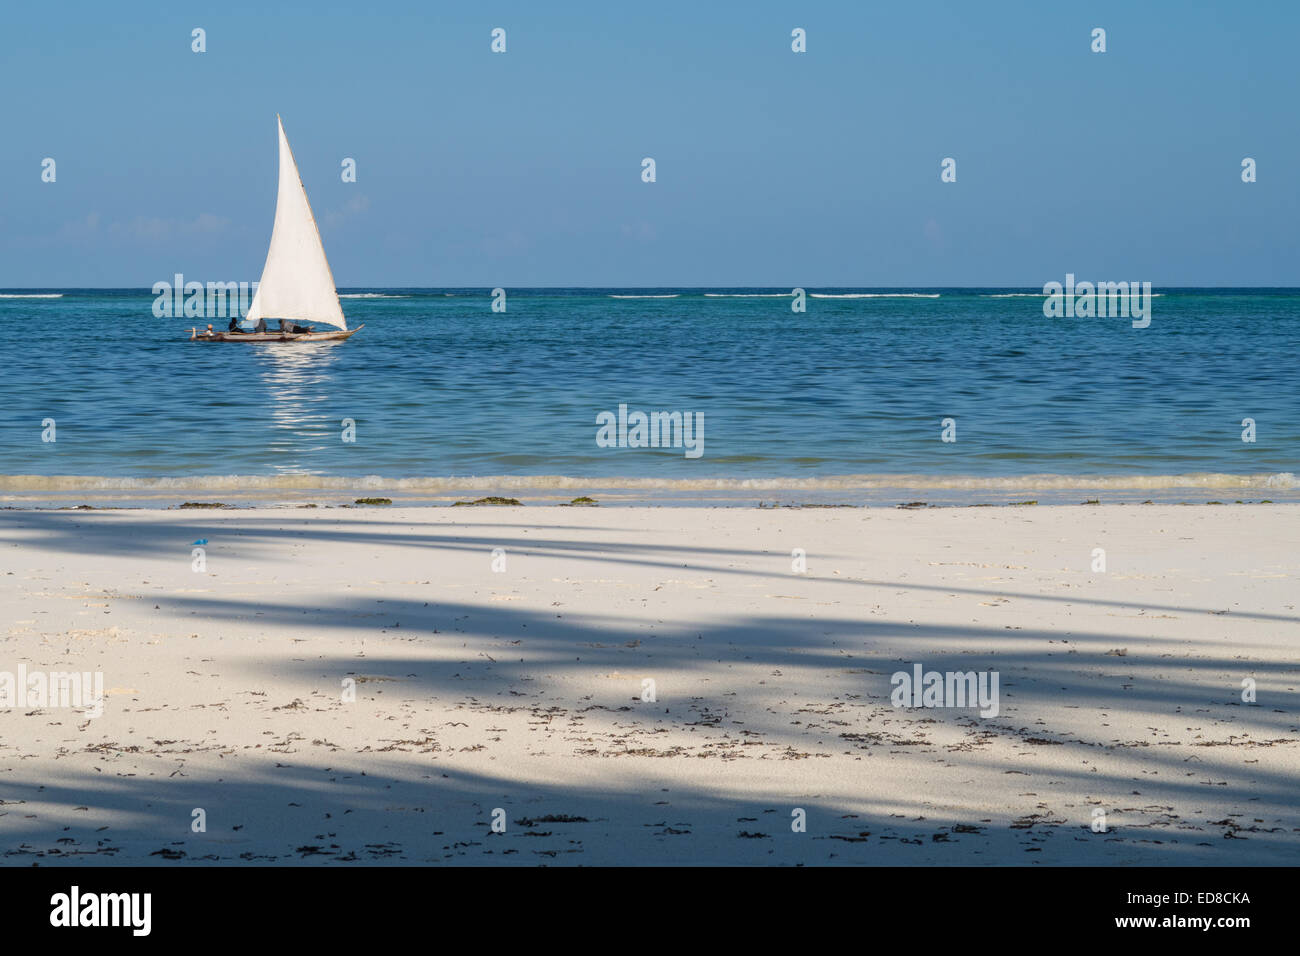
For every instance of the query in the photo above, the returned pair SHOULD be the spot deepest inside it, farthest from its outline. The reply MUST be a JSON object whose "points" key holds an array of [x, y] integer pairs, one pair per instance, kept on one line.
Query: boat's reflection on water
{"points": [[296, 376]]}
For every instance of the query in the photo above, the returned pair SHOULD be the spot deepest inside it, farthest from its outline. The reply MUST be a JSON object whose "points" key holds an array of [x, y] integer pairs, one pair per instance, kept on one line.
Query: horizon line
{"points": [[149, 288]]}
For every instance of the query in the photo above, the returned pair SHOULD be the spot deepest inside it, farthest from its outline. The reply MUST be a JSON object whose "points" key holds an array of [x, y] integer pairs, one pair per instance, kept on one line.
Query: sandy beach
{"points": [[1121, 737]]}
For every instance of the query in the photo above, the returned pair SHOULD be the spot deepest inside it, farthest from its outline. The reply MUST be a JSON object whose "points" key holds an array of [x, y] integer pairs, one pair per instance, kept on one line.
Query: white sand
{"points": [[522, 689]]}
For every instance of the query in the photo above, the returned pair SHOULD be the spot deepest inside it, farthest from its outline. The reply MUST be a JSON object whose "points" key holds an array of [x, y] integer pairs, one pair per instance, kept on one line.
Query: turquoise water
{"points": [[832, 402]]}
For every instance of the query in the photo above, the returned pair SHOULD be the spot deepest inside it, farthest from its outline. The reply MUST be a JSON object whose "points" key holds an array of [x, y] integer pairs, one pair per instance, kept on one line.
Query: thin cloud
{"points": [[155, 229]]}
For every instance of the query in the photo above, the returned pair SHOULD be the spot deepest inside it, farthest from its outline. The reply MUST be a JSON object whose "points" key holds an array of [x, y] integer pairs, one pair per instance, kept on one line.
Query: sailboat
{"points": [[297, 285]]}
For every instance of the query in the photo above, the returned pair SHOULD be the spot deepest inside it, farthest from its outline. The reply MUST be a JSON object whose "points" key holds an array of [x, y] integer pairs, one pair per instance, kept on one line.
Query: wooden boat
{"points": [[297, 284], [336, 335]]}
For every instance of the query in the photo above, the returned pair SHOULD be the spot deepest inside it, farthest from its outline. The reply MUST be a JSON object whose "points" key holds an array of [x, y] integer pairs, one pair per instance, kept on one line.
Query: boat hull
{"points": [[253, 337]]}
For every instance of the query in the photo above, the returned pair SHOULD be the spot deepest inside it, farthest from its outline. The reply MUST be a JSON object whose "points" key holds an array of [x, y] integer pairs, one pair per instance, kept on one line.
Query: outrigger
{"points": [[297, 285]]}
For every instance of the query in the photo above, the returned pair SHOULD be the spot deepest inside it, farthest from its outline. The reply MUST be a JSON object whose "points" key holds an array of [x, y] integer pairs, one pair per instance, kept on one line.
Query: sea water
{"points": [[868, 396]]}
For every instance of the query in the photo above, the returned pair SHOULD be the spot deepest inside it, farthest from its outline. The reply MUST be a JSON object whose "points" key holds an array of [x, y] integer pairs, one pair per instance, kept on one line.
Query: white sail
{"points": [[296, 281]]}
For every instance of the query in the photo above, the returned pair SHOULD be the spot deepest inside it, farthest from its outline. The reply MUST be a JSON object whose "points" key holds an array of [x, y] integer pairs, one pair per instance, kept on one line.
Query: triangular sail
{"points": [[296, 281]]}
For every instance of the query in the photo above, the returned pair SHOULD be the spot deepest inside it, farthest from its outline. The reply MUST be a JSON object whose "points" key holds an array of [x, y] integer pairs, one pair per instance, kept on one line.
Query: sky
{"points": [[773, 168]]}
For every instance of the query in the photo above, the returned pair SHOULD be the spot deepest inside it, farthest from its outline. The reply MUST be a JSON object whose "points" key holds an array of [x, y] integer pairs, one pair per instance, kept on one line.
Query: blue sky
{"points": [[774, 168]]}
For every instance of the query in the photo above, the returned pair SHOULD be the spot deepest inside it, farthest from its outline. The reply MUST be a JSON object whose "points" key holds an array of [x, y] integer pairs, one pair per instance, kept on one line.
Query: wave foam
{"points": [[874, 295], [31, 295], [1284, 481], [1044, 295]]}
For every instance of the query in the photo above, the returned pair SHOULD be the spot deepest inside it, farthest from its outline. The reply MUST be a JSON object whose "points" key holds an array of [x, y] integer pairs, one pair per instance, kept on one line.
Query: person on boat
{"points": [[261, 326], [234, 324], [208, 333]]}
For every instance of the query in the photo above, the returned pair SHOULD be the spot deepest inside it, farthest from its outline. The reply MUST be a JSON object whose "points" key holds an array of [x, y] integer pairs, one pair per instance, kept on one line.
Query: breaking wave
{"points": [[1044, 295], [1284, 481]]}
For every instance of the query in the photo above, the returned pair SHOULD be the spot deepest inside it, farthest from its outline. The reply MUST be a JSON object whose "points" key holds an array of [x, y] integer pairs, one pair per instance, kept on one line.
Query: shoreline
{"points": [[759, 505], [850, 491]]}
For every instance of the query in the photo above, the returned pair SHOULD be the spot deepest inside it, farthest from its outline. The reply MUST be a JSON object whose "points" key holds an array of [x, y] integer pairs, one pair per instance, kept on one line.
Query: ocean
{"points": [[848, 402]]}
